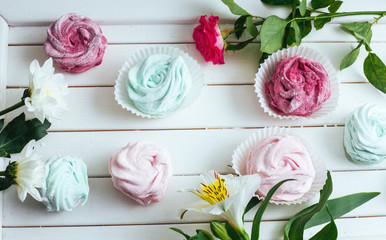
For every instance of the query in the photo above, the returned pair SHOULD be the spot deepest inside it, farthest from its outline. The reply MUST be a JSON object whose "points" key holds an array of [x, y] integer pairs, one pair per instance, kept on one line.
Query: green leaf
{"points": [[280, 2], [333, 8], [234, 8], [263, 206], [303, 8], [263, 57], [251, 204], [202, 235], [297, 227], [250, 27], [238, 46], [319, 23], [4, 184], [294, 36], [340, 206], [321, 3], [19, 132], [231, 232], [1, 123], [329, 232], [272, 34], [239, 24], [350, 58], [219, 230], [361, 31], [180, 232], [306, 26], [375, 71]]}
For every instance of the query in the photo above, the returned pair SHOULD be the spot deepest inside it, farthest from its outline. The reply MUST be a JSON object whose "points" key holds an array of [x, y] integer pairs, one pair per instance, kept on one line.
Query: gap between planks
{"points": [[166, 224], [208, 85]]}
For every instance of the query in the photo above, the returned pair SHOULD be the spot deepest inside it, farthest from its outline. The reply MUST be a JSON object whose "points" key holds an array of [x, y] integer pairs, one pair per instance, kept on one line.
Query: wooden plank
{"points": [[3, 80], [191, 151], [108, 205], [181, 33], [173, 12], [348, 229], [218, 107], [240, 67]]}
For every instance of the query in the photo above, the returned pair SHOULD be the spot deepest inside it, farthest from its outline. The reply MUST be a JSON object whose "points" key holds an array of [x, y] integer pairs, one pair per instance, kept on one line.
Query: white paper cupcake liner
{"points": [[122, 96], [240, 156], [269, 66]]}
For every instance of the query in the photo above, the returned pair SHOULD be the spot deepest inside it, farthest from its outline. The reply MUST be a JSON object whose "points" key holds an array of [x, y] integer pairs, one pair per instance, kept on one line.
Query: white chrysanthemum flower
{"points": [[28, 172], [226, 196], [47, 91]]}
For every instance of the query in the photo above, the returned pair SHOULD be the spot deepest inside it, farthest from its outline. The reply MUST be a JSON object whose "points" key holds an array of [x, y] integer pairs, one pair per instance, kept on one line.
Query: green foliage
{"points": [[339, 207], [334, 7], [294, 36], [19, 132], [234, 8], [219, 230], [251, 28], [319, 23], [375, 71], [280, 2], [361, 31], [303, 8], [201, 234], [297, 226], [239, 26], [272, 34], [321, 3], [238, 46], [350, 58], [329, 232], [1, 123], [259, 214], [232, 233], [251, 204]]}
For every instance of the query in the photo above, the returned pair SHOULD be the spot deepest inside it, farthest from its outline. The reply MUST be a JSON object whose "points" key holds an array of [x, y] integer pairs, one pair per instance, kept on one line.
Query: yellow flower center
{"points": [[215, 192]]}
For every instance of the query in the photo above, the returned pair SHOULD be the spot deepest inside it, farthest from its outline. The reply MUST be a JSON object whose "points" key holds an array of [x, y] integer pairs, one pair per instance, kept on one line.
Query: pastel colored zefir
{"points": [[299, 86], [76, 43], [158, 84], [365, 134], [142, 171], [66, 184]]}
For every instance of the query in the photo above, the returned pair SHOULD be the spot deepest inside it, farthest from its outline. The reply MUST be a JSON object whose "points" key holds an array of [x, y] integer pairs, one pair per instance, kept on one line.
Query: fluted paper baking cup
{"points": [[269, 66], [121, 93], [240, 156]]}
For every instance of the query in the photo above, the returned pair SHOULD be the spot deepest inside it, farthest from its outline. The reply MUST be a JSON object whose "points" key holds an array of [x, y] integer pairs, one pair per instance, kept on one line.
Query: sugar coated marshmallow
{"points": [[281, 157], [142, 171], [75, 43]]}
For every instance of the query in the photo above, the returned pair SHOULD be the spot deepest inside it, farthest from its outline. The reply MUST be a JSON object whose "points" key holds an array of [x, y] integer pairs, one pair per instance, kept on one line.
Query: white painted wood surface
{"points": [[201, 137]]}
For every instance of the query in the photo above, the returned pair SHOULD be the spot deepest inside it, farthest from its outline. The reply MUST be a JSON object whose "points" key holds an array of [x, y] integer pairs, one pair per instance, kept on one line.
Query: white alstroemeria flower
{"points": [[226, 196], [28, 173], [47, 91]]}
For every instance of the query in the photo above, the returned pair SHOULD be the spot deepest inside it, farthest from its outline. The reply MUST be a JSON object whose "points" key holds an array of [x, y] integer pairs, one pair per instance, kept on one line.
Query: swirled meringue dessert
{"points": [[66, 183], [281, 157], [158, 84], [299, 86], [142, 171], [365, 134], [75, 43]]}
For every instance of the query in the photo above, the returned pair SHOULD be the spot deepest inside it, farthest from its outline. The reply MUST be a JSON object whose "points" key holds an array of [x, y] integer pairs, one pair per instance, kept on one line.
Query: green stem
{"points": [[244, 235], [341, 14], [11, 108], [238, 29]]}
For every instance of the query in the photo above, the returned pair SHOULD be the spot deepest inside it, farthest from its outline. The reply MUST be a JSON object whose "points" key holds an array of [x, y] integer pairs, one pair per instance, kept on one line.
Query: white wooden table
{"points": [[201, 137]]}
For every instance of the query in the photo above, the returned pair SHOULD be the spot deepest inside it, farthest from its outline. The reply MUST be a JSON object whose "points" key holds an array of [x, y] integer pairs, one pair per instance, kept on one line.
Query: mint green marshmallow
{"points": [[158, 84], [66, 183], [365, 134]]}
